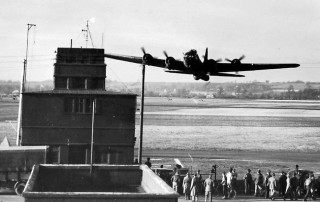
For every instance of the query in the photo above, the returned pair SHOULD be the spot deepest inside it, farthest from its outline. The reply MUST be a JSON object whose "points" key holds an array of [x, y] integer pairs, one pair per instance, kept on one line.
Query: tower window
{"points": [[77, 83], [78, 105], [61, 82]]}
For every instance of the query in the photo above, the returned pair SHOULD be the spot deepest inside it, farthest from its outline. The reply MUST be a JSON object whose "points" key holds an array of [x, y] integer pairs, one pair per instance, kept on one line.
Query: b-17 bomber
{"points": [[192, 64]]}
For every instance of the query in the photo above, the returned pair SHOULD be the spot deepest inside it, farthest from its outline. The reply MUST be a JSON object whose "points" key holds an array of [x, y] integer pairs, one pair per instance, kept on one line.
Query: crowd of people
{"points": [[291, 185]]}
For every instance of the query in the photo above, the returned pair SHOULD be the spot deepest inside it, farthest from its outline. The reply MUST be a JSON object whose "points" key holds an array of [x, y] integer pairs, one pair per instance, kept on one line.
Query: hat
{"points": [[249, 170], [259, 171]]}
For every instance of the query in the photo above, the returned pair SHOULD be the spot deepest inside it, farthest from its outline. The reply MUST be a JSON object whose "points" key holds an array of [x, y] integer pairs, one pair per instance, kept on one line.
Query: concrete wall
{"points": [[45, 121], [46, 181]]}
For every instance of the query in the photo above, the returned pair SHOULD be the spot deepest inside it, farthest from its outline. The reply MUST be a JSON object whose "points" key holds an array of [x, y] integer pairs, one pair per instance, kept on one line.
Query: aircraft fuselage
{"points": [[192, 62]]}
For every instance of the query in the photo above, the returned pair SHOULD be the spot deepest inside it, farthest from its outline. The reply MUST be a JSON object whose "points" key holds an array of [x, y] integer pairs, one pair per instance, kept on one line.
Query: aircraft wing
{"points": [[179, 71], [228, 67], [152, 62]]}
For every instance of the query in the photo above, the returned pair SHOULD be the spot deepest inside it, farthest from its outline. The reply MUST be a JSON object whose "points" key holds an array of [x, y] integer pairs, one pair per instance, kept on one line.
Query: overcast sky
{"points": [[266, 31]]}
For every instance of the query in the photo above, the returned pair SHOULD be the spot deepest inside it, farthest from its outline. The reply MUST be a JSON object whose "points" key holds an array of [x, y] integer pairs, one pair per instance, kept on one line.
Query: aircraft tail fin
{"points": [[206, 56]]}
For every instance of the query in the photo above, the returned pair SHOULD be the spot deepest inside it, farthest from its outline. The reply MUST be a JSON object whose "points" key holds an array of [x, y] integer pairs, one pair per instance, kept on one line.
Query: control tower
{"points": [[62, 118]]}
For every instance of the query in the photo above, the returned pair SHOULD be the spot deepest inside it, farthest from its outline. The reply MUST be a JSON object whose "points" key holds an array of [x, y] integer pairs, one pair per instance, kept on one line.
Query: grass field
{"points": [[254, 134], [302, 139], [8, 111], [232, 125]]}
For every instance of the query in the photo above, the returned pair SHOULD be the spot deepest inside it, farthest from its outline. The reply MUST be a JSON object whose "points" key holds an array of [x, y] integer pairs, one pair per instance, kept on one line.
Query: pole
{"points": [[141, 115], [26, 60], [22, 87], [92, 132]]}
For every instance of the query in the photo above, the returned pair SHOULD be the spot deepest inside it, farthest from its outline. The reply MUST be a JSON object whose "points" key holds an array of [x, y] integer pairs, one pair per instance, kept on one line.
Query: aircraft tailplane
{"points": [[226, 74]]}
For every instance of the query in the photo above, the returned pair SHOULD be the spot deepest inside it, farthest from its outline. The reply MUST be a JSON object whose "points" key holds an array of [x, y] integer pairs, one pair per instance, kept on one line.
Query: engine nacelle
{"points": [[209, 64], [205, 77], [196, 77], [170, 63], [236, 62], [147, 58]]}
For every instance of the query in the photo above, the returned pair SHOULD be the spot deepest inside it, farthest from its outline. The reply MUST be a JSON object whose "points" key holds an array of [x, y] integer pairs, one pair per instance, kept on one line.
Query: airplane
{"points": [[192, 64]]}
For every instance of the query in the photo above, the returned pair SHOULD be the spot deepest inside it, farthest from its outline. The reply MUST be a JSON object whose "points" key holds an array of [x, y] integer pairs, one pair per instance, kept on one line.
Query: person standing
{"points": [[300, 183], [148, 162], [313, 187], [224, 185], [309, 185], [208, 184], [288, 188], [297, 169], [186, 186], [247, 182], [234, 182], [282, 184], [317, 185], [229, 176], [199, 176], [266, 183], [294, 185], [272, 186], [258, 183], [195, 187], [175, 179]]}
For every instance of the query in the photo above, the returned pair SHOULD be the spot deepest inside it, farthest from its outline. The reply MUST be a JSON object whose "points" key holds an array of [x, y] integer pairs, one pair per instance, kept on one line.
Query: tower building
{"points": [[63, 118]]}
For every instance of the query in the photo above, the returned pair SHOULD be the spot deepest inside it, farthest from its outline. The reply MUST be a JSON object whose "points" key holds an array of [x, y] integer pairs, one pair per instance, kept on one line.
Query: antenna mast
{"points": [[22, 85], [88, 34]]}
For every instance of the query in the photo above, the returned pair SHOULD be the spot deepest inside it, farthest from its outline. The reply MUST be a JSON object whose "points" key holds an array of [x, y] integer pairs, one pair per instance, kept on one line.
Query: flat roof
{"points": [[79, 92], [22, 148], [80, 50]]}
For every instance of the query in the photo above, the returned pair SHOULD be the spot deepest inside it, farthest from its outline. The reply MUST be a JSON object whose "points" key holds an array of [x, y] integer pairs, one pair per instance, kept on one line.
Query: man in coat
{"points": [[282, 184], [258, 183], [247, 182]]}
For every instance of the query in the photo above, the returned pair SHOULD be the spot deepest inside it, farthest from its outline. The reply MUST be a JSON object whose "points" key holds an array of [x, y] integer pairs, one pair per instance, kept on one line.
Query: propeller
{"points": [[236, 61], [165, 54], [170, 61], [143, 50], [146, 57], [218, 60]]}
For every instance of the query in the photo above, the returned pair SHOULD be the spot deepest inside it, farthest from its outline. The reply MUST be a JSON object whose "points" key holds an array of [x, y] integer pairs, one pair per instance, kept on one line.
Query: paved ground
{"points": [[11, 198], [239, 198], [15, 198]]}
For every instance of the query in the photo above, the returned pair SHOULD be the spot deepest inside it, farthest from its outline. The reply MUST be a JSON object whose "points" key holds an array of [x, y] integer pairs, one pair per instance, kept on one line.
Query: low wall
{"points": [[107, 183]]}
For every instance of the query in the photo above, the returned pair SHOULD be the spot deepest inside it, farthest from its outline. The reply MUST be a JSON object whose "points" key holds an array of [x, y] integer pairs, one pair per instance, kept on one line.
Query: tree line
{"points": [[297, 90]]}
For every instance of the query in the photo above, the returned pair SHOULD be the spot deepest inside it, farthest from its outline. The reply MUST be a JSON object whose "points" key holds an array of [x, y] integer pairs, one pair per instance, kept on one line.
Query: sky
{"points": [[265, 31]]}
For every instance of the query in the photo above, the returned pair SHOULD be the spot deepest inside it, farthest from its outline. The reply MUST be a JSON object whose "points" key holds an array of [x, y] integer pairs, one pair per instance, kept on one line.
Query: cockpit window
{"points": [[191, 54]]}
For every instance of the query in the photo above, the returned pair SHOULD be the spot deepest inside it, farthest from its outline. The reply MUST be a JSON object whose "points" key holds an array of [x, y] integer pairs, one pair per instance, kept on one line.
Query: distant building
{"points": [[15, 94], [62, 118], [210, 96]]}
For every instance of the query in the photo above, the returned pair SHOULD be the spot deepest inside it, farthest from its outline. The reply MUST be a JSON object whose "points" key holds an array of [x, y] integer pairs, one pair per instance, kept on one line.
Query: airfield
{"points": [[257, 134], [265, 134]]}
